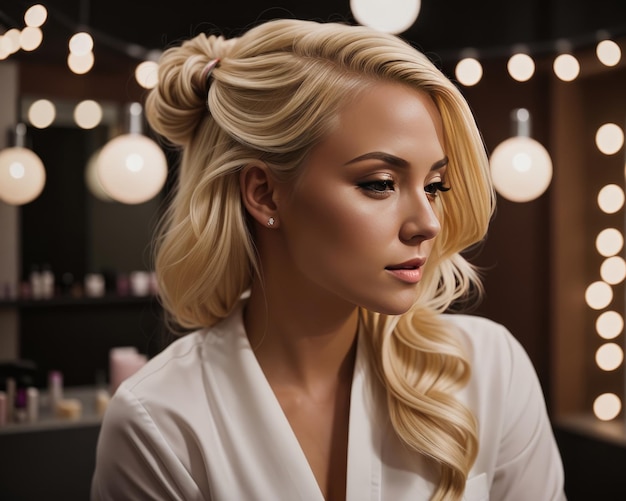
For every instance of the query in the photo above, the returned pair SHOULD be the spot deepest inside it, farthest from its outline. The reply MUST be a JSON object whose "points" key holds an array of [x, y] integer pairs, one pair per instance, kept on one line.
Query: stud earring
{"points": [[271, 221]]}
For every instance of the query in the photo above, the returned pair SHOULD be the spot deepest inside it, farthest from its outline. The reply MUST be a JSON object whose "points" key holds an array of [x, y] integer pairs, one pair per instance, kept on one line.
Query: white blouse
{"points": [[200, 422]]}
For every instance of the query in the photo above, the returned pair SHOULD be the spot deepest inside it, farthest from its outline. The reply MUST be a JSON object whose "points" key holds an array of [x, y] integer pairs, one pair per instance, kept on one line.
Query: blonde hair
{"points": [[275, 94]]}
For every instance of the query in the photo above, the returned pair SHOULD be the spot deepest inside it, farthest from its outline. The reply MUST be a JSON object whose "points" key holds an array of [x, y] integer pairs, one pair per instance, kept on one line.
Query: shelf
{"points": [[108, 300], [48, 421]]}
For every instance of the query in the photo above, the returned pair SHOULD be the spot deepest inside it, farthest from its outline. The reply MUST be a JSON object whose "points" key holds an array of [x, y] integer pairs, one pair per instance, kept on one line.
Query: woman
{"points": [[327, 185]]}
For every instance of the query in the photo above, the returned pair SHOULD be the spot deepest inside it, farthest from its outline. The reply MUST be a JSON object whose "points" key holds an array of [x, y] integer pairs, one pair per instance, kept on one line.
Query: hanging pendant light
{"points": [[521, 167], [132, 168], [22, 174]]}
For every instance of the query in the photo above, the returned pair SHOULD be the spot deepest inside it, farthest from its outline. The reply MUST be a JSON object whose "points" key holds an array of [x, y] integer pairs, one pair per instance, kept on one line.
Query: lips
{"points": [[409, 272]]}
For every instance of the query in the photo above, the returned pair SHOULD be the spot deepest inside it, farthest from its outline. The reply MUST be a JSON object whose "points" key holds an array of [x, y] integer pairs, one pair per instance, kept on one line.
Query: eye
{"points": [[378, 186], [433, 189]]}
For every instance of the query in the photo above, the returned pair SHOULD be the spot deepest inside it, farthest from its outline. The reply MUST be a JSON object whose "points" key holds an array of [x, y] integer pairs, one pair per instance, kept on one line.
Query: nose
{"points": [[420, 221]]}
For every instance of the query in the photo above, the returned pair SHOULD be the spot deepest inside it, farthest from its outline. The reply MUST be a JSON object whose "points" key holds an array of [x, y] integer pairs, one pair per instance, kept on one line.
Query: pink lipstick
{"points": [[409, 272]]}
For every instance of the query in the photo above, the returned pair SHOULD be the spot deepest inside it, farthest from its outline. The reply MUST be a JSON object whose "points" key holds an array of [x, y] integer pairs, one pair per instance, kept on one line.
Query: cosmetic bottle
{"points": [[19, 411], [32, 404], [47, 282], [10, 399], [55, 388], [3, 409], [35, 282], [124, 361]]}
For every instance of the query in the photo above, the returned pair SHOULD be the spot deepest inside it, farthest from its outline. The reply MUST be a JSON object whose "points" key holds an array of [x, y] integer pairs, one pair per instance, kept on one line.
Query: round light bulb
{"points": [[609, 242], [609, 138], [30, 38], [608, 52], [5, 48], [146, 74], [521, 169], [91, 178], [11, 40], [521, 67], [613, 270], [22, 176], [609, 356], [468, 71], [132, 168], [88, 114], [80, 64], [35, 16], [566, 67], [609, 325], [81, 44], [598, 295], [607, 406], [391, 16], [611, 199], [41, 113]]}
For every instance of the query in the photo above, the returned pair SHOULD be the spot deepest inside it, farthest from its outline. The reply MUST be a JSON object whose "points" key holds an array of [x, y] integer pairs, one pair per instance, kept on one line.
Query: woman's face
{"points": [[360, 221]]}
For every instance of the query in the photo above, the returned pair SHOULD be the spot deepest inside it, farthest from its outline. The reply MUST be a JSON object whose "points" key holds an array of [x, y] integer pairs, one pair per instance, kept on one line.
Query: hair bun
{"points": [[178, 103]]}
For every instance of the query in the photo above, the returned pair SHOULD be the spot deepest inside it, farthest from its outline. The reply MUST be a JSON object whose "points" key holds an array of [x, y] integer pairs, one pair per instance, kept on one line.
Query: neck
{"points": [[301, 340]]}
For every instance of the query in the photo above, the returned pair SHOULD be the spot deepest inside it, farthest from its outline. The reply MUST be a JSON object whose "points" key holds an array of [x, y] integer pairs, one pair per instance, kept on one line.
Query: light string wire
{"points": [[445, 56]]}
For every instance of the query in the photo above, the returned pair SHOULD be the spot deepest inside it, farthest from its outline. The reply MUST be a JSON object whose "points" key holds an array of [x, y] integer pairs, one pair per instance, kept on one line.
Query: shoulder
{"points": [[486, 340]]}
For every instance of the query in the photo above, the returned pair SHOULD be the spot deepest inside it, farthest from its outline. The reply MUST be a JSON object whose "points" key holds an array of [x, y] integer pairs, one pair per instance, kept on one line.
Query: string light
{"points": [[607, 406], [35, 16], [598, 295], [611, 198], [30, 38], [390, 16], [608, 53], [146, 74], [609, 138], [566, 67], [469, 71], [41, 113], [609, 242], [521, 67], [87, 114], [609, 325]]}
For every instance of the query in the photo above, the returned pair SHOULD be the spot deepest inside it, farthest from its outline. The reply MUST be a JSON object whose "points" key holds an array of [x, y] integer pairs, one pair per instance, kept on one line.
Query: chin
{"points": [[399, 307]]}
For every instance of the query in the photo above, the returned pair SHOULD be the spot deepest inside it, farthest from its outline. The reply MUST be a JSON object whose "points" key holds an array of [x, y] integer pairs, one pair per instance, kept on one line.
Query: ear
{"points": [[258, 193]]}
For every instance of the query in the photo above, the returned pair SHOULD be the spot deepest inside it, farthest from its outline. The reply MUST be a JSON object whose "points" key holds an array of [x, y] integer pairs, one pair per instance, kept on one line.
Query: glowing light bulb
{"points": [[521, 169], [609, 138], [390, 16], [22, 176], [607, 406], [36, 16], [81, 43], [608, 53], [11, 40], [521, 67], [146, 74], [598, 295], [609, 242], [30, 38], [41, 113], [611, 199], [468, 71], [609, 356], [566, 67], [80, 64], [609, 325], [88, 114], [613, 270], [131, 168]]}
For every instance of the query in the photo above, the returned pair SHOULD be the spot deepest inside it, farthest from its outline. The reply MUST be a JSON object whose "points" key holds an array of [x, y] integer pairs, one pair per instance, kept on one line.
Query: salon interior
{"points": [[79, 312]]}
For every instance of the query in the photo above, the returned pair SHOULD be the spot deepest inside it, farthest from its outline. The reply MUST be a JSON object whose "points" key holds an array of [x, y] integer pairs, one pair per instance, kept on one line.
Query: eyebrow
{"points": [[394, 160]]}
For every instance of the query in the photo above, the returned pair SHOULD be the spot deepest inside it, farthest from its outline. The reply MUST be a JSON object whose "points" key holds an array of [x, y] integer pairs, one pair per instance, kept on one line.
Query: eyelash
{"points": [[432, 189]]}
